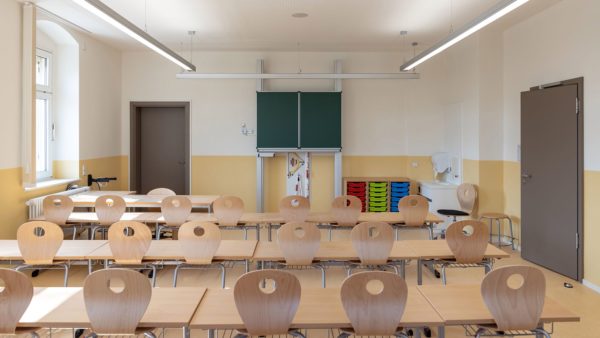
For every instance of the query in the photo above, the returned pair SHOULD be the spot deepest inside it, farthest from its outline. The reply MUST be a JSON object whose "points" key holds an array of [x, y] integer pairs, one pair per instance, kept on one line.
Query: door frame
{"points": [[135, 109], [580, 169]]}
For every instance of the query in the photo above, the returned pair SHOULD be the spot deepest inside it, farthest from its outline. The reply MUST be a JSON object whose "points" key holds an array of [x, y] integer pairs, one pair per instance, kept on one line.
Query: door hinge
{"points": [[577, 240], [577, 105]]}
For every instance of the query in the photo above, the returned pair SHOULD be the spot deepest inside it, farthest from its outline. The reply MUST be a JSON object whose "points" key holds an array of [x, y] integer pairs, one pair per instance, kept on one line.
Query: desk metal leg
{"points": [[89, 266], [211, 333], [419, 272], [247, 263], [269, 234], [417, 333], [186, 332], [258, 232], [403, 268], [441, 332]]}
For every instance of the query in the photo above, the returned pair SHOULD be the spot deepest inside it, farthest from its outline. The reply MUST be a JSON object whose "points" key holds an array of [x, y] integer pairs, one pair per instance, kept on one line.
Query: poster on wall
{"points": [[298, 174]]}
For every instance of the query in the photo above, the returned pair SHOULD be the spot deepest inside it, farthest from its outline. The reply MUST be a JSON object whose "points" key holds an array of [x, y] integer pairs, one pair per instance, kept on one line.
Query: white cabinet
{"points": [[441, 196]]}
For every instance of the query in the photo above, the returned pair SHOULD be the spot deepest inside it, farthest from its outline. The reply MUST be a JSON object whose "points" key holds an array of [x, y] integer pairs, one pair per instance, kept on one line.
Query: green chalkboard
{"points": [[277, 120], [321, 120]]}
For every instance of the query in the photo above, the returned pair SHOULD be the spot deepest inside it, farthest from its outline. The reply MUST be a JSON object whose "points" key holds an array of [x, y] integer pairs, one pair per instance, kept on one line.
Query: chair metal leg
{"points": [[74, 232], [93, 232], [149, 334], [499, 223], [430, 226], [35, 335], [443, 268], [154, 273], [401, 335], [540, 333], [66, 278], [323, 279], [175, 275], [479, 332], [396, 233], [297, 334], [512, 235], [245, 233], [343, 335], [222, 267], [158, 230]]}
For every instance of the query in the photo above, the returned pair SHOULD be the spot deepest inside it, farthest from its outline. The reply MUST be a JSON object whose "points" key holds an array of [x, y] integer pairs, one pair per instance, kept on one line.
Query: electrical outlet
{"points": [[414, 164]]}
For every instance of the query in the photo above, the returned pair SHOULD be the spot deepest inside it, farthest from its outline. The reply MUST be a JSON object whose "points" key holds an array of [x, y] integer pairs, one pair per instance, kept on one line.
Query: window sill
{"points": [[50, 183]]}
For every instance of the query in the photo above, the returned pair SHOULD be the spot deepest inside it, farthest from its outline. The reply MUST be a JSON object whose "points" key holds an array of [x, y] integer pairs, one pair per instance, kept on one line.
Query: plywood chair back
{"points": [[294, 208], [129, 241], [161, 192], [14, 299], [175, 210], [109, 209], [373, 242], [39, 242], [299, 242], [116, 300], [467, 195], [374, 302], [346, 210], [228, 210], [199, 241], [267, 311], [468, 240], [516, 303], [57, 209], [414, 209]]}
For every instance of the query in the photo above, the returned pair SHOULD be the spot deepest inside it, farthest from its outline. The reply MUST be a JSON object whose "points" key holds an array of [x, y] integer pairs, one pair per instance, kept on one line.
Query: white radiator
{"points": [[36, 205]]}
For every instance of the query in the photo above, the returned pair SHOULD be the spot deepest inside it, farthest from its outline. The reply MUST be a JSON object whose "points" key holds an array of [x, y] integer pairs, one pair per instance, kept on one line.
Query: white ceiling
{"points": [[332, 25]]}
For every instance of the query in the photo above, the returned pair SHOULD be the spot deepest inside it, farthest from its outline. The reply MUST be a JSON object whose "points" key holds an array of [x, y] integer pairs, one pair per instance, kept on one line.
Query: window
{"points": [[44, 125]]}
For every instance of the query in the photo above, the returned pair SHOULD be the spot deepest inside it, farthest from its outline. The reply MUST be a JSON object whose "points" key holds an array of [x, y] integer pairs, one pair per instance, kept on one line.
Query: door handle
{"points": [[525, 178], [181, 162]]}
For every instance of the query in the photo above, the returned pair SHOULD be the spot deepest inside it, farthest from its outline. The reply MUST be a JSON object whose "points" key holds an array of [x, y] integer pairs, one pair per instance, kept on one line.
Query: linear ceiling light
{"points": [[499, 10], [322, 76], [107, 14]]}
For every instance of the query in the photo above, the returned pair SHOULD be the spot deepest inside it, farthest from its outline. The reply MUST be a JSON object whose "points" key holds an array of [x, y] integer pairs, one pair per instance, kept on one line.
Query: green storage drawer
{"points": [[378, 194], [377, 209], [378, 184], [378, 199]]}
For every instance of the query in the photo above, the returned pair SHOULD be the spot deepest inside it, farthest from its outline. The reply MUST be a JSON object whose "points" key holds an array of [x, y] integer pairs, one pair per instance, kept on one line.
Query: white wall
{"points": [[380, 117], [10, 84], [560, 43]]}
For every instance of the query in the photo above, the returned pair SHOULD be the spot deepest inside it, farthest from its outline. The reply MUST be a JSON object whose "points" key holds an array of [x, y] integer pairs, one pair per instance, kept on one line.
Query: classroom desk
{"points": [[318, 309], [428, 250], [87, 200], [65, 308], [463, 305], [70, 250], [97, 193], [170, 250]]}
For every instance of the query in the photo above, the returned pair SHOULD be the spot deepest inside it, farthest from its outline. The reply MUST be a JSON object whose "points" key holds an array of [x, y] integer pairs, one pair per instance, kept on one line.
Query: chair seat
{"points": [[452, 212], [493, 215]]}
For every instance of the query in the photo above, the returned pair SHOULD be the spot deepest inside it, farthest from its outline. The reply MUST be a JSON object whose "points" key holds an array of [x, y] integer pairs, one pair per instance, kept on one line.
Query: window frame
{"points": [[44, 92]]}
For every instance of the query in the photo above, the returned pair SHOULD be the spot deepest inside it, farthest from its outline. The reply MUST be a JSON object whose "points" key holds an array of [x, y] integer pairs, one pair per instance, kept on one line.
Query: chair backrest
{"points": [[175, 209], [228, 210], [161, 192], [468, 240], [515, 307], [129, 241], [109, 209], [266, 311], [199, 241], [57, 209], [116, 309], [373, 242], [414, 209], [39, 241], [299, 242], [294, 208], [346, 210], [374, 302], [14, 299], [467, 195]]}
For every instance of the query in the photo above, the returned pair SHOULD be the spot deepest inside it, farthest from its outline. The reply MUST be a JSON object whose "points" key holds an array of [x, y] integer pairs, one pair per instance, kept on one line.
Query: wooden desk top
{"points": [[438, 249], [64, 307], [106, 192], [69, 250], [330, 251], [143, 201], [463, 304], [318, 309], [386, 217], [229, 250]]}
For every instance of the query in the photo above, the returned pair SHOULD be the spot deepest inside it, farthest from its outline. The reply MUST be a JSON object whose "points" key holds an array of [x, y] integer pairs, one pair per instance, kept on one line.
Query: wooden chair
{"points": [[345, 211], [514, 307], [161, 192], [299, 243], [468, 242], [129, 241], [117, 310], [199, 242], [467, 195], [279, 305], [228, 211], [57, 209], [39, 242], [175, 210], [414, 209], [294, 208], [109, 209], [14, 300], [373, 242], [374, 312]]}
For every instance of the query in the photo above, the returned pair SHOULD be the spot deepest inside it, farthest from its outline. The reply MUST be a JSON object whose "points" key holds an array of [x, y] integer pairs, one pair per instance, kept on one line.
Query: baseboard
{"points": [[591, 285]]}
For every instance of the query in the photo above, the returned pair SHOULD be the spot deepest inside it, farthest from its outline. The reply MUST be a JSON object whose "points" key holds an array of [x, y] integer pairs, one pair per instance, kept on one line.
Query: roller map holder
{"points": [[100, 181]]}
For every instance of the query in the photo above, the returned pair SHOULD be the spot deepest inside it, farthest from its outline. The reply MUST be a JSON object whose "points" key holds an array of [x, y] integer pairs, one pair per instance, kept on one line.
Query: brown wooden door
{"points": [[550, 180]]}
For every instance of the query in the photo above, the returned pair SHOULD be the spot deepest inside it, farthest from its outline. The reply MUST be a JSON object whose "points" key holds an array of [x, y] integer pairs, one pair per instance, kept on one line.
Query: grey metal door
{"points": [[162, 149], [550, 180]]}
